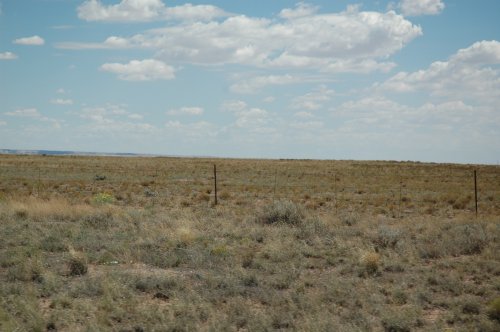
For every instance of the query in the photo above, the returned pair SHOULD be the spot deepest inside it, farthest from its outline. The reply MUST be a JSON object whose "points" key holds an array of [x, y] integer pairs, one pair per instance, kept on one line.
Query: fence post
{"points": [[39, 182], [275, 182], [475, 189], [400, 198], [335, 191], [215, 184]]}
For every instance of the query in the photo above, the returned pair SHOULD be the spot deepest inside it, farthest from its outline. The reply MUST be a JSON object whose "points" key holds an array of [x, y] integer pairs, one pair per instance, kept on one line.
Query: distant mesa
{"points": [[64, 153]]}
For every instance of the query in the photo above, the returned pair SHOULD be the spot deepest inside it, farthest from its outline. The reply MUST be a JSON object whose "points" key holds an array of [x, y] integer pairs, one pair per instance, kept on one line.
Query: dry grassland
{"points": [[137, 244]]}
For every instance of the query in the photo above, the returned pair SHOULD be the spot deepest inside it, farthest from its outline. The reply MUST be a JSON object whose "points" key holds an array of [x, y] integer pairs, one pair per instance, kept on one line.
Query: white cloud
{"points": [[135, 116], [359, 66], [8, 56], [3, 123], [186, 111], [252, 118], [194, 12], [116, 42], [301, 9], [33, 41], [126, 10], [141, 70], [376, 112], [33, 114], [61, 91], [26, 112], [257, 83], [316, 41], [196, 130], [313, 100], [114, 118], [111, 43], [304, 115], [145, 10], [60, 101], [234, 106], [307, 125], [470, 73], [348, 41], [421, 7]]}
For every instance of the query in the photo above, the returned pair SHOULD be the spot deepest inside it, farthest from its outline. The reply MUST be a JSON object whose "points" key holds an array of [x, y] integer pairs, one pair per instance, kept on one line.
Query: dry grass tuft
{"points": [[370, 261], [56, 209]]}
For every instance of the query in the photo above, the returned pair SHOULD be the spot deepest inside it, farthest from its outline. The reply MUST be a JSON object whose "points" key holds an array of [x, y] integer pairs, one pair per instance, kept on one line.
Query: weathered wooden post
{"points": [[475, 189], [215, 184]]}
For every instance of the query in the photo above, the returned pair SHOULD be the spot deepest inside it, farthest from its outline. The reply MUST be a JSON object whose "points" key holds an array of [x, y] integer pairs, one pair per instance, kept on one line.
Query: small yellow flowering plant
{"points": [[103, 198]]}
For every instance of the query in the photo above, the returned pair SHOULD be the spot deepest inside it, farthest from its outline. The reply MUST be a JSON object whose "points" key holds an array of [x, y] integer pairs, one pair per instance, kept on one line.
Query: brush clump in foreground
{"points": [[69, 263]]}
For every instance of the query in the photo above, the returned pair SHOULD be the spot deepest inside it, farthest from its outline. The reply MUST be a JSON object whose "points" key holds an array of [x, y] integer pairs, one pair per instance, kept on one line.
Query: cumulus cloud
{"points": [[234, 106], [470, 73], [135, 116], [32, 41], [376, 113], [316, 41], [257, 83], [304, 115], [301, 9], [111, 117], [8, 56], [186, 111], [60, 101], [145, 10], [421, 7], [26, 112], [347, 41], [197, 130], [359, 66], [313, 100], [252, 119], [141, 70], [33, 114], [111, 43]]}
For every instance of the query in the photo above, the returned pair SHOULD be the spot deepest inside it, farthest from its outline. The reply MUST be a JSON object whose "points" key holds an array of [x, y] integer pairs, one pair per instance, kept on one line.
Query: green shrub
{"points": [[350, 218], [467, 239], [153, 284], [99, 220], [103, 198], [400, 321], [77, 266], [387, 237], [53, 243], [494, 309], [282, 212], [454, 240]]}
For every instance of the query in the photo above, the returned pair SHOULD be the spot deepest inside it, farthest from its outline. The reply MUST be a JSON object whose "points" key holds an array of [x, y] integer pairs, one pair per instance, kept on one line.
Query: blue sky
{"points": [[391, 80]]}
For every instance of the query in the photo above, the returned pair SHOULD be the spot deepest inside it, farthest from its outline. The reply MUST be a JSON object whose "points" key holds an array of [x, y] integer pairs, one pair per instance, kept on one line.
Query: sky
{"points": [[365, 80]]}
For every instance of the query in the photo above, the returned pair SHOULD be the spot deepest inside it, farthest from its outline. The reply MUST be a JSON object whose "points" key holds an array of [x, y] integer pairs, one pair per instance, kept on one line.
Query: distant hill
{"points": [[65, 153]]}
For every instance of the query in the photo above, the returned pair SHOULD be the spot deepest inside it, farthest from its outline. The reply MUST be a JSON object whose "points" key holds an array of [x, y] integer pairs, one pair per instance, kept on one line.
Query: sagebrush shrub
{"points": [[282, 212], [387, 237], [77, 266], [494, 309]]}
